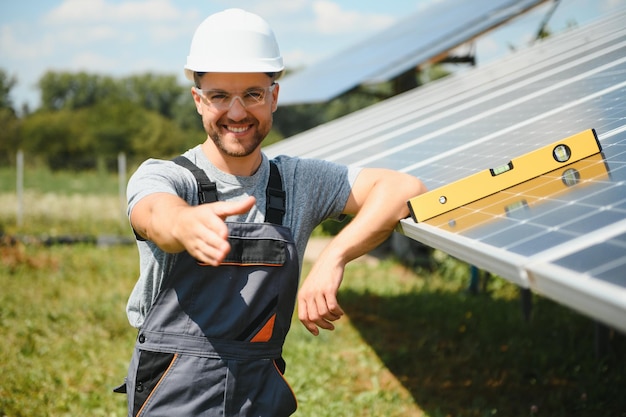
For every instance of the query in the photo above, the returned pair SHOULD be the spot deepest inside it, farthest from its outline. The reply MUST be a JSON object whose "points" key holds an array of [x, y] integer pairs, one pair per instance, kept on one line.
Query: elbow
{"points": [[413, 187], [418, 187]]}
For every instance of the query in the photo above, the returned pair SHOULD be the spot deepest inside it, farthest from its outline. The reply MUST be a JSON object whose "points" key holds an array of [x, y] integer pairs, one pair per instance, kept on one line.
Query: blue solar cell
{"points": [[604, 261]]}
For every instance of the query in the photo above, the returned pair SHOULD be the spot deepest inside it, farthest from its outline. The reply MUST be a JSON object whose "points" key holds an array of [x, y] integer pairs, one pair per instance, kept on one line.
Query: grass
{"points": [[63, 203], [460, 354], [67, 342], [42, 180], [414, 343], [65, 339]]}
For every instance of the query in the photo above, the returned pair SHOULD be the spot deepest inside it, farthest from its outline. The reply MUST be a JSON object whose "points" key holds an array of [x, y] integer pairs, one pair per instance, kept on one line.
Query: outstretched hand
{"points": [[202, 231], [317, 299]]}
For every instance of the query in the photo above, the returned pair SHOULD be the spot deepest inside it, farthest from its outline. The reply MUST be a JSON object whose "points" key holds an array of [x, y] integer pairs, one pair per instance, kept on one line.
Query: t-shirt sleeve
{"points": [[159, 176], [321, 188]]}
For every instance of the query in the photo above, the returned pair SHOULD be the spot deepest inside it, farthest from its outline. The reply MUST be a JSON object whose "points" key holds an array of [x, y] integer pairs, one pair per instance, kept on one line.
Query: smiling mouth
{"points": [[240, 129]]}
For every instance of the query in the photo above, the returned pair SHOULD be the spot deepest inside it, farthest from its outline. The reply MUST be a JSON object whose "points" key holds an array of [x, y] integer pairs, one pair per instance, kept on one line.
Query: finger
{"points": [[333, 309], [223, 209], [214, 255], [318, 313], [303, 315], [210, 255], [210, 245]]}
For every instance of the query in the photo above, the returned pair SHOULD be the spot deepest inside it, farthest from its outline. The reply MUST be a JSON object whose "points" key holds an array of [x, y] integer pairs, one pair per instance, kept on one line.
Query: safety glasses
{"points": [[223, 100]]}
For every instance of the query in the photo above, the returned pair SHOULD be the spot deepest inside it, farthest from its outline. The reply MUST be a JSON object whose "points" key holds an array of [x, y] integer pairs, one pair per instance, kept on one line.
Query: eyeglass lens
{"points": [[224, 100]]}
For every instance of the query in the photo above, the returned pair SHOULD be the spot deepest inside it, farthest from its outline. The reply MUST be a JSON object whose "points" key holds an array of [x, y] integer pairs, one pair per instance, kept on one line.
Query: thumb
{"points": [[223, 209]]}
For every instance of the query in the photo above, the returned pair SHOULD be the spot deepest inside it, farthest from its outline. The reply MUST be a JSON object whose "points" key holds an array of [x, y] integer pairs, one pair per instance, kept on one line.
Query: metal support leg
{"points": [[474, 280], [526, 298], [601, 342]]}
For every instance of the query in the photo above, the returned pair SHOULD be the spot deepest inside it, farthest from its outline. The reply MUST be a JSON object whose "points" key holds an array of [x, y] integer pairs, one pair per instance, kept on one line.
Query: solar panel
{"points": [[562, 234], [422, 37]]}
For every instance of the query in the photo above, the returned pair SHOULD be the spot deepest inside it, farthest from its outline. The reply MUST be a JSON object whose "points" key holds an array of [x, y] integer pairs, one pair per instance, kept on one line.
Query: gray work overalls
{"points": [[211, 343]]}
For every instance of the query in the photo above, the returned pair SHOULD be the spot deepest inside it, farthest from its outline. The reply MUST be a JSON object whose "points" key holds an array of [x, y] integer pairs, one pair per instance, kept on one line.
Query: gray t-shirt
{"points": [[315, 190]]}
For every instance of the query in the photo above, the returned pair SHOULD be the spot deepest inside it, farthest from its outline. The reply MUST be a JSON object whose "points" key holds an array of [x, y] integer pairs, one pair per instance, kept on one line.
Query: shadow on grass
{"points": [[473, 355]]}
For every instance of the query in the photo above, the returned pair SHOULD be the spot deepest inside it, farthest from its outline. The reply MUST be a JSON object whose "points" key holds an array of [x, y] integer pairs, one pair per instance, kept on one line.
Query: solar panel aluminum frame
{"points": [[499, 261], [580, 292]]}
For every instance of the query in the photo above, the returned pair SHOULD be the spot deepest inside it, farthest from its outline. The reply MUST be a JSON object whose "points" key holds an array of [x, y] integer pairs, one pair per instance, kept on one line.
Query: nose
{"points": [[237, 110]]}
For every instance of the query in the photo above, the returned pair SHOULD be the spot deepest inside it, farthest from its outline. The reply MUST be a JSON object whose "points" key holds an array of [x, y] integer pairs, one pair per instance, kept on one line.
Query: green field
{"points": [[414, 342]]}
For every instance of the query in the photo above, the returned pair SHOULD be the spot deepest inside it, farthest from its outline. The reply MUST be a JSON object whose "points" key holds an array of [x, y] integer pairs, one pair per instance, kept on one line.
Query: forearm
{"points": [[154, 218], [379, 199], [173, 225], [363, 234], [377, 216]]}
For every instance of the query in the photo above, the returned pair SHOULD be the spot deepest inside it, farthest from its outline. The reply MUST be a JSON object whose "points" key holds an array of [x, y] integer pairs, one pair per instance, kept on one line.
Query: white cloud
{"points": [[331, 19], [10, 47], [91, 61], [275, 9], [608, 5], [86, 35], [76, 10], [425, 4], [167, 32], [86, 11], [488, 48], [296, 58], [151, 10], [102, 24]]}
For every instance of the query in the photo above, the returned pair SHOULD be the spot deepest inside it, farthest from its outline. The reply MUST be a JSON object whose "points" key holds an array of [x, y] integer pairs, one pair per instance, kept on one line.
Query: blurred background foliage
{"points": [[84, 119]]}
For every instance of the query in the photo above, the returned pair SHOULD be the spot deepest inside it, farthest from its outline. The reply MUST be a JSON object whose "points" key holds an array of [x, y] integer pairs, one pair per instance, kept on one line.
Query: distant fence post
{"points": [[121, 173], [20, 187]]}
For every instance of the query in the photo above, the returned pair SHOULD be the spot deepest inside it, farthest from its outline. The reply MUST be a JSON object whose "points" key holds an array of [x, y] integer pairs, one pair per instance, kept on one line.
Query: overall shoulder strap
{"points": [[275, 197], [207, 190]]}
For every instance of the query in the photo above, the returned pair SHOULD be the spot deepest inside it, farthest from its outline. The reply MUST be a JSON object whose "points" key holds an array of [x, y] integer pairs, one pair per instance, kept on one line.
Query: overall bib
{"points": [[211, 343]]}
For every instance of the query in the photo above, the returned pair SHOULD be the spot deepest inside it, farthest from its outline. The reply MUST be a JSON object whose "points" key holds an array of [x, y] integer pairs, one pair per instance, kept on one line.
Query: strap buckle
{"points": [[276, 200]]}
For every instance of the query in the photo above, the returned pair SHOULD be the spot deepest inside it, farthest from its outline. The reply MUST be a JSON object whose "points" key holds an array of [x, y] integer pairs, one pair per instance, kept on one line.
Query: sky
{"points": [[124, 37]]}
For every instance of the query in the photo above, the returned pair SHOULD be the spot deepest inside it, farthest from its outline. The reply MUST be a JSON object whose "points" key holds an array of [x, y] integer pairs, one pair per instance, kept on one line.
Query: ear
{"points": [[197, 99], [275, 98]]}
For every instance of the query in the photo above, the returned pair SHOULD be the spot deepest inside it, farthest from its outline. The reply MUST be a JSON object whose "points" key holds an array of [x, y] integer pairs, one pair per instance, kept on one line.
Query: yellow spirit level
{"points": [[526, 196], [490, 181]]}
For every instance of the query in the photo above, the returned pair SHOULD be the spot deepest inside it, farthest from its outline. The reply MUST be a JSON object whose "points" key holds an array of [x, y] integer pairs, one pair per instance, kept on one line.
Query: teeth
{"points": [[237, 129]]}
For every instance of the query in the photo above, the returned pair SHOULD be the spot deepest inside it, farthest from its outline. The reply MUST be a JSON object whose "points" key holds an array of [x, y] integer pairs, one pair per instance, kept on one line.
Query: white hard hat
{"points": [[233, 41]]}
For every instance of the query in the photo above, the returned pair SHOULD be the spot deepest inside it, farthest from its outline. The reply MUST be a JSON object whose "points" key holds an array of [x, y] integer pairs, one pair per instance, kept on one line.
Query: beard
{"points": [[234, 147]]}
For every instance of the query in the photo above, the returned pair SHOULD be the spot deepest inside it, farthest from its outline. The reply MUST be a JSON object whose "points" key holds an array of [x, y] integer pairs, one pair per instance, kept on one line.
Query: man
{"points": [[218, 280]]}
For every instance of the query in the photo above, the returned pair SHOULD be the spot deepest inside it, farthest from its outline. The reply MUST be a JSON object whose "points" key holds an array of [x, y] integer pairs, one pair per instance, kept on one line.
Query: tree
{"points": [[63, 90], [9, 133], [6, 85], [159, 93], [86, 119], [56, 137], [290, 120], [92, 137]]}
